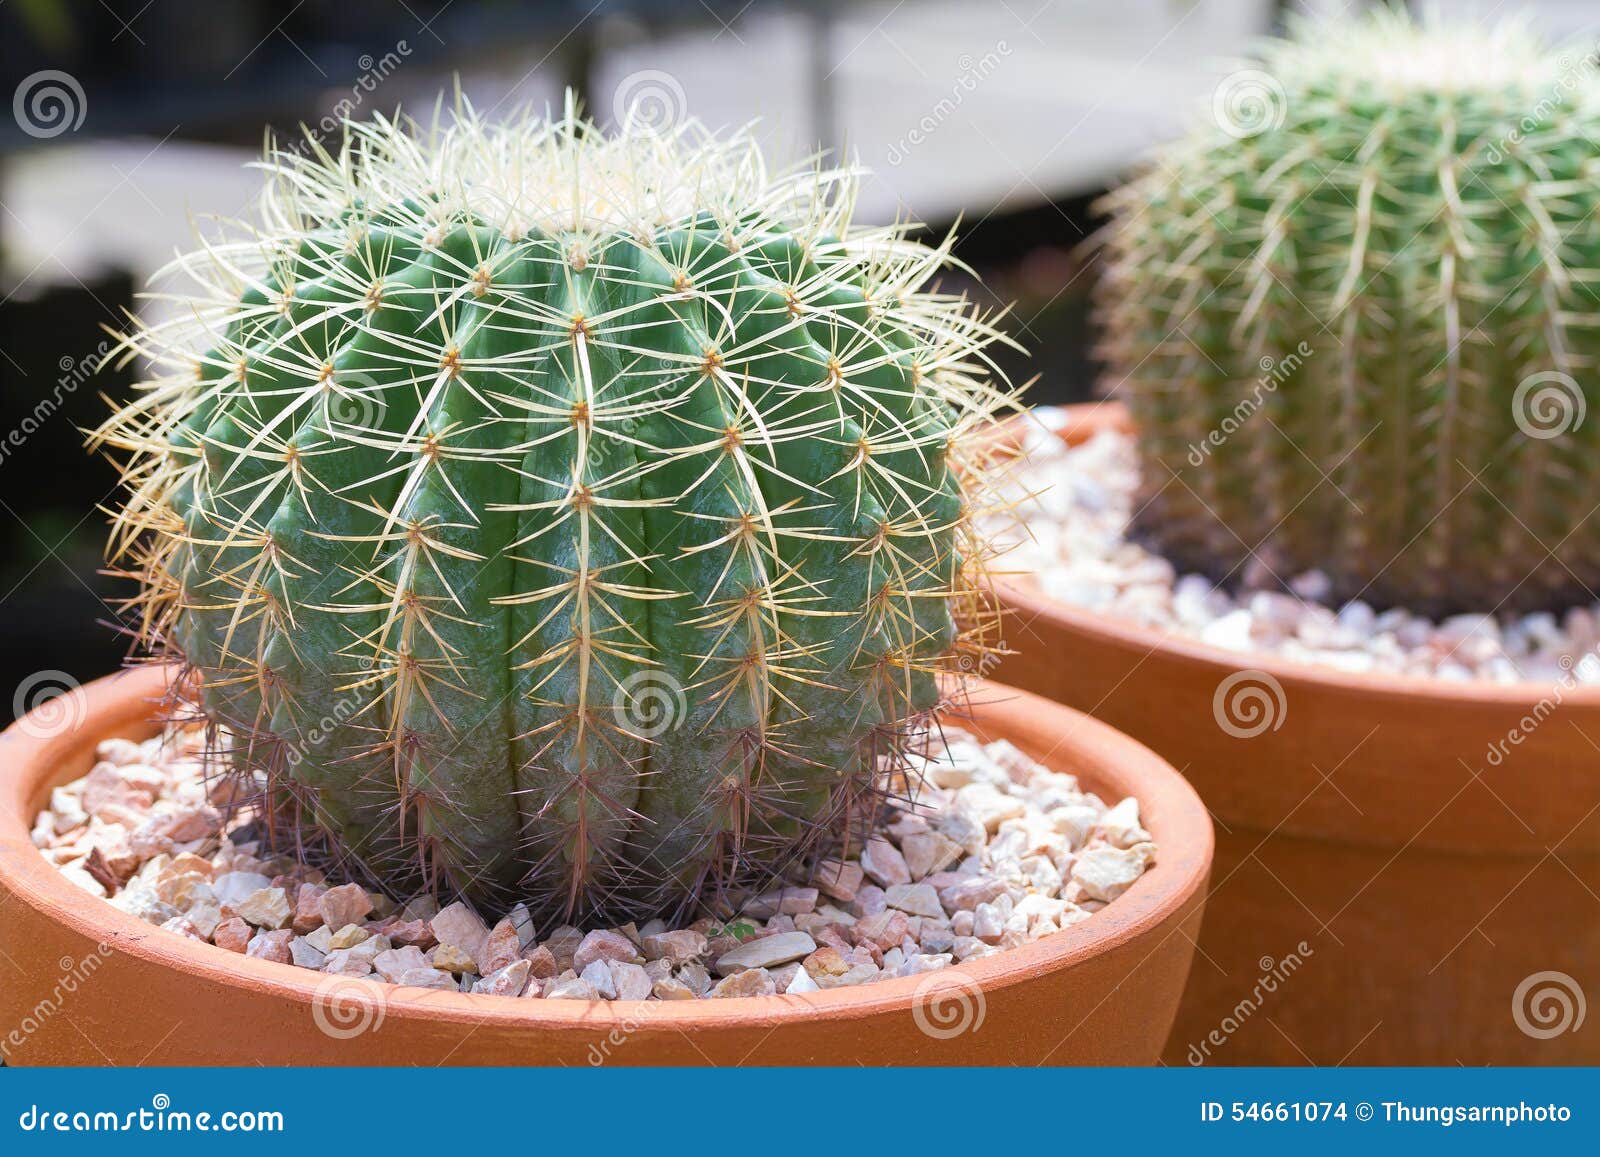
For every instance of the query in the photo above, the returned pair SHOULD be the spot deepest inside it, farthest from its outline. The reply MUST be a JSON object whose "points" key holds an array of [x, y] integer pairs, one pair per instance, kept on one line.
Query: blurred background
{"points": [[130, 119]]}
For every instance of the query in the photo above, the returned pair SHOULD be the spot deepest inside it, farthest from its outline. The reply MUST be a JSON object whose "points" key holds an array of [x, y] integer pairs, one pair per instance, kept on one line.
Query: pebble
{"points": [[677, 947], [575, 988], [696, 976], [1077, 502], [766, 952], [460, 926], [797, 901], [348, 936], [1075, 821], [856, 974], [417, 933], [929, 852], [307, 908], [271, 946], [989, 806], [393, 963], [750, 982], [839, 879], [1106, 873], [869, 901], [346, 904], [603, 945], [233, 887], [233, 934], [598, 975], [182, 926], [883, 930], [883, 863], [427, 978], [630, 981], [358, 960], [801, 982], [205, 916], [988, 923], [301, 953], [507, 981], [969, 893], [542, 962], [1120, 825], [917, 899], [502, 946], [994, 850], [522, 920], [449, 958]]}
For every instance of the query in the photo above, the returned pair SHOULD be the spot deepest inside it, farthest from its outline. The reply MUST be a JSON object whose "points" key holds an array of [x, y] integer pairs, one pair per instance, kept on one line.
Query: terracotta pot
{"points": [[1102, 992], [1430, 863]]}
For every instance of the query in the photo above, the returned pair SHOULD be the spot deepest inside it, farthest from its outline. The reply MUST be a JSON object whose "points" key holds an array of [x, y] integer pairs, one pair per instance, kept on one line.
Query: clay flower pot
{"points": [[1433, 846], [86, 984]]}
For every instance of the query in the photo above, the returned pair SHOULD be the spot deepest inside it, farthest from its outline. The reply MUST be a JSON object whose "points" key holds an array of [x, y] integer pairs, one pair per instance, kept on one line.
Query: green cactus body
{"points": [[576, 517], [1355, 317]]}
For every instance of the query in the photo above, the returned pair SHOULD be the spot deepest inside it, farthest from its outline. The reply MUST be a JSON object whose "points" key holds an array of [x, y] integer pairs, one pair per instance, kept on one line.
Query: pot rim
{"points": [[1178, 821], [1023, 596]]}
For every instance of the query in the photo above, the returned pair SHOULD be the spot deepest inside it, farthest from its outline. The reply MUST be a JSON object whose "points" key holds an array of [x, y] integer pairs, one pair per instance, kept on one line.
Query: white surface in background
{"points": [[1079, 88], [1017, 102]]}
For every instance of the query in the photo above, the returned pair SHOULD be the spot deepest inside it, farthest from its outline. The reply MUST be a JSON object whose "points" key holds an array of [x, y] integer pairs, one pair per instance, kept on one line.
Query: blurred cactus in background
{"points": [[1356, 316]]}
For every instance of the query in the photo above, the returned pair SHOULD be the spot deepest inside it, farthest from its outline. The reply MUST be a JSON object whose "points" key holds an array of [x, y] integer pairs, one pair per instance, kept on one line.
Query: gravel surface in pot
{"points": [[995, 851], [1076, 504]]}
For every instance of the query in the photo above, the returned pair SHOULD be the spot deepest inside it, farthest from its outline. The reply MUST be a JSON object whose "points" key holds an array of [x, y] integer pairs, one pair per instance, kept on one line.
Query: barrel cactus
{"points": [[581, 517], [1355, 317]]}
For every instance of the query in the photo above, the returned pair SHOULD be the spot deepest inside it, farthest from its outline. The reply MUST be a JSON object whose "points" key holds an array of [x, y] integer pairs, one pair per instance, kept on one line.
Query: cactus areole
{"points": [[1356, 316], [544, 513]]}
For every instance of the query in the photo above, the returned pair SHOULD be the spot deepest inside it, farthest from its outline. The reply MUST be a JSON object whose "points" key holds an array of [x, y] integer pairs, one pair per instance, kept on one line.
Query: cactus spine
{"points": [[543, 512], [1356, 319]]}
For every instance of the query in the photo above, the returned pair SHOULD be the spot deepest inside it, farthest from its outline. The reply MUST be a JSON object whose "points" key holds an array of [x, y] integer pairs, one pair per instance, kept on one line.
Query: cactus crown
{"points": [[580, 516], [1355, 318]]}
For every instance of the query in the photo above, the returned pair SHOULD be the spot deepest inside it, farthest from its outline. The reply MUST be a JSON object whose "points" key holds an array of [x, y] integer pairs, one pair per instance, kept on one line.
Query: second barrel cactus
{"points": [[1356, 315], [574, 516]]}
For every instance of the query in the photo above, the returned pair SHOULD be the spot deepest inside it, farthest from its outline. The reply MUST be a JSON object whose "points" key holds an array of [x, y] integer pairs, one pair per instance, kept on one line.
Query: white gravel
{"points": [[996, 852], [1076, 503]]}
